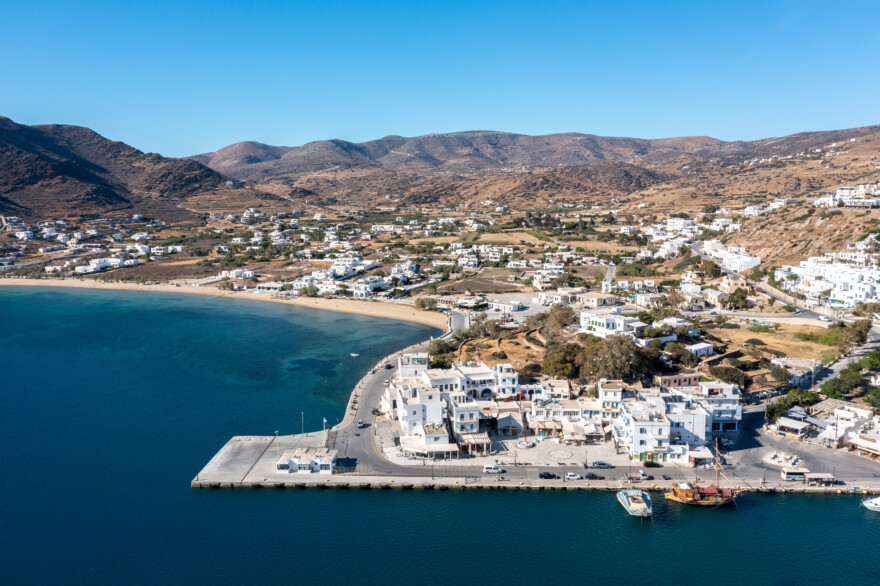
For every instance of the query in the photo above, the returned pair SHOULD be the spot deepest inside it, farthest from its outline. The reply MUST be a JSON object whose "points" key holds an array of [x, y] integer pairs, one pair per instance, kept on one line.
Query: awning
{"points": [[545, 425], [792, 424], [479, 439]]}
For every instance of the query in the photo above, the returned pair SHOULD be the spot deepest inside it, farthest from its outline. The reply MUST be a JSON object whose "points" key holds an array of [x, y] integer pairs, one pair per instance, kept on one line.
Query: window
{"points": [[641, 442], [643, 430]]}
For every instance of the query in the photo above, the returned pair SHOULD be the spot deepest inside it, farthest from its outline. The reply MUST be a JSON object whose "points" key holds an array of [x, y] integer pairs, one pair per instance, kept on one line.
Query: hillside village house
{"points": [[837, 279]]}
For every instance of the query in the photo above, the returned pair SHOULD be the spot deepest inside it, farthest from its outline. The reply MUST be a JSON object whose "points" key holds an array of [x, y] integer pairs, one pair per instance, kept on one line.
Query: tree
{"points": [[675, 299], [854, 335], [440, 346], [310, 291], [739, 299], [729, 374], [560, 362], [780, 374], [426, 303], [872, 398], [710, 270], [614, 357]]}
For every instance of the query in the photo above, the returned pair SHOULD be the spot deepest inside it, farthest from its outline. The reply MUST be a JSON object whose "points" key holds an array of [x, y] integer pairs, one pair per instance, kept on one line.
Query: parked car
{"points": [[492, 469], [374, 411], [726, 444], [548, 476], [824, 318], [361, 424], [667, 477], [650, 464], [573, 476], [601, 464], [593, 476], [642, 475]]}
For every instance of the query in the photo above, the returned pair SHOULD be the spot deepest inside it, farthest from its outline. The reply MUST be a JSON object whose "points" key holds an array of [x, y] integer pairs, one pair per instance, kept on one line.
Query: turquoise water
{"points": [[112, 401]]}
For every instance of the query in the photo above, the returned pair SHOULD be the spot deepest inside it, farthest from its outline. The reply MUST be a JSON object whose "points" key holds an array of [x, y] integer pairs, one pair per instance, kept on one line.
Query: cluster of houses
{"points": [[838, 280], [450, 412], [860, 196], [732, 258]]}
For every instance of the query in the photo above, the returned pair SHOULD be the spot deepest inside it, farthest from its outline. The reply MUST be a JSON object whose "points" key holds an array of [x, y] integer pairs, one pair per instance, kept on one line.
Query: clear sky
{"points": [[182, 78]]}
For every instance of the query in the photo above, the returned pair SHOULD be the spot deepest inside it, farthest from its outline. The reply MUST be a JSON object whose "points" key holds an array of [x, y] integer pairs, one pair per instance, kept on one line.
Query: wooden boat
{"points": [[636, 502], [689, 493], [705, 496]]}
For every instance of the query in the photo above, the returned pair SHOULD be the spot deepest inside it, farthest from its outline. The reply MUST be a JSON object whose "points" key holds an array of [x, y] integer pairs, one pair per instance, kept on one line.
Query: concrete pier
{"points": [[249, 462]]}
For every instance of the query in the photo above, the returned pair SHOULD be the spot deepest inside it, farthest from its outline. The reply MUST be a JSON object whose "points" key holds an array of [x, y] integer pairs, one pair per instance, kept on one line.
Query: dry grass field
{"points": [[783, 340]]}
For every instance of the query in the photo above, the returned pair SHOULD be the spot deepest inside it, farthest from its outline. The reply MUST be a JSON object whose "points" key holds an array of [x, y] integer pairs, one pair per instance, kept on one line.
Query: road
{"points": [[610, 272]]}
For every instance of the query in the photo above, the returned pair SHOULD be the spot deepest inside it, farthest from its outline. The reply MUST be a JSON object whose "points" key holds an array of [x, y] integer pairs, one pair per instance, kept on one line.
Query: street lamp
{"points": [[302, 429]]}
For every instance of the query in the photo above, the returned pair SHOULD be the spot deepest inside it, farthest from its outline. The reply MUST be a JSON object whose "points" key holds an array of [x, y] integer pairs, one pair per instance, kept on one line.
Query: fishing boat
{"points": [[688, 493], [636, 502], [353, 355], [872, 504]]}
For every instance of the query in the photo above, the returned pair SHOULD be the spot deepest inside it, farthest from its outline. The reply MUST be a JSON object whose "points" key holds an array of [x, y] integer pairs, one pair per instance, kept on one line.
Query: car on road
{"points": [[650, 464], [824, 318], [713, 313], [643, 476], [573, 476], [667, 477], [492, 469], [726, 444], [548, 476], [593, 476], [361, 424], [374, 411], [600, 464]]}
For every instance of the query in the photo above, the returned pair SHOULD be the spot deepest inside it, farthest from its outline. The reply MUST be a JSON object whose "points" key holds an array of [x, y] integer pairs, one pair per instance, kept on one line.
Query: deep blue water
{"points": [[111, 402]]}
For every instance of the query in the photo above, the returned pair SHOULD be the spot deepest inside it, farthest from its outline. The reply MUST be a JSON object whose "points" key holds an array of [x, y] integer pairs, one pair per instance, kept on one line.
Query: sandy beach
{"points": [[372, 308]]}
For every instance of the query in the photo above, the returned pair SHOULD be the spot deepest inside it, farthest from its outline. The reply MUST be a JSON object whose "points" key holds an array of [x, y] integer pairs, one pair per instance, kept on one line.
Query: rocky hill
{"points": [[59, 170], [482, 151]]}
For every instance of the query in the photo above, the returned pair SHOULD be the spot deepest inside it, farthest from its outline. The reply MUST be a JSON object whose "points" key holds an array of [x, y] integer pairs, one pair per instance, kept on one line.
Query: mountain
{"points": [[59, 170], [484, 151]]}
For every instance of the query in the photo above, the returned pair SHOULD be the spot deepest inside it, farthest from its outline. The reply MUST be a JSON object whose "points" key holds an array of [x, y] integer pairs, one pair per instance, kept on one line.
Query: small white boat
{"points": [[636, 502], [872, 504], [353, 355]]}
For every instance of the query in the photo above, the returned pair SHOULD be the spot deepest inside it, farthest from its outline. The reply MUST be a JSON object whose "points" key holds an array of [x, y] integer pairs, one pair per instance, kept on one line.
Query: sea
{"points": [[112, 401]]}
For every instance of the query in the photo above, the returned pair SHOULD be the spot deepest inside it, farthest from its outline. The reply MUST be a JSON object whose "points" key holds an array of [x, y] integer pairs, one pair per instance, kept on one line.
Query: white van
{"points": [[491, 469]]}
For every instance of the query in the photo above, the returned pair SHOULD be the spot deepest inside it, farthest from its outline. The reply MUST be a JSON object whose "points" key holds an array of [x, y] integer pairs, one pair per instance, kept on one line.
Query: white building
{"points": [[307, 461]]}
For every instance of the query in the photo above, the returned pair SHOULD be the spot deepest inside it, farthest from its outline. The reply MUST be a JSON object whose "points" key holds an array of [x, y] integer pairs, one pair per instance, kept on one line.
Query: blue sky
{"points": [[182, 78]]}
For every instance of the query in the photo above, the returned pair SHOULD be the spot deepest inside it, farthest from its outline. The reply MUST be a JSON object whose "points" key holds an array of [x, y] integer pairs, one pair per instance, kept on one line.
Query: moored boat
{"points": [[872, 504], [636, 502], [702, 496], [691, 494], [353, 355]]}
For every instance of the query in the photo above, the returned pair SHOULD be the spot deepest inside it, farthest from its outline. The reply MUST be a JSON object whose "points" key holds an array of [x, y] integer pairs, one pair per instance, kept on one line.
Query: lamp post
{"points": [[302, 429]]}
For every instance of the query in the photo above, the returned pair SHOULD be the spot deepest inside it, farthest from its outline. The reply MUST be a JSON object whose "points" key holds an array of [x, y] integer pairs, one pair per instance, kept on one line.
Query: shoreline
{"points": [[352, 306]]}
